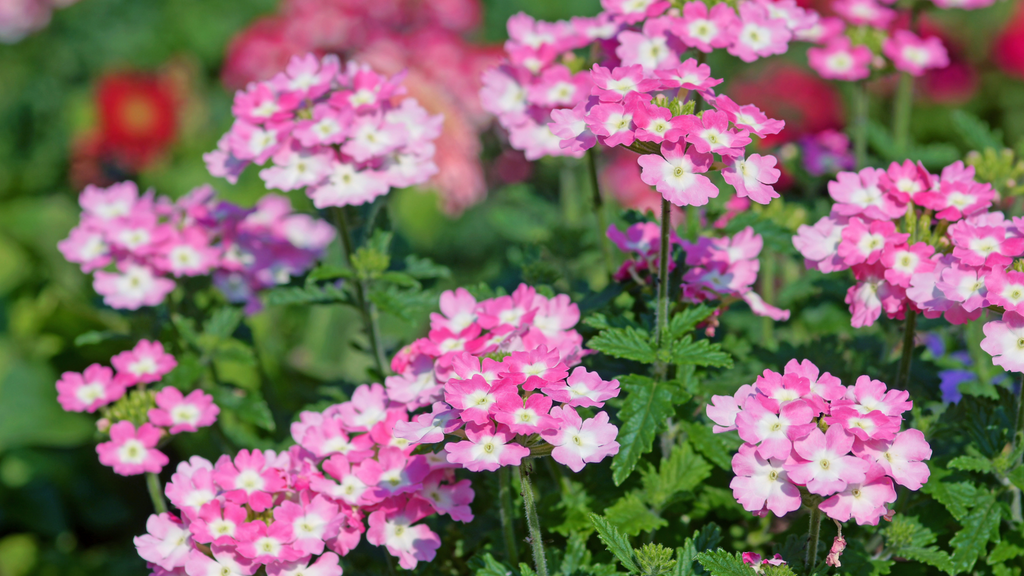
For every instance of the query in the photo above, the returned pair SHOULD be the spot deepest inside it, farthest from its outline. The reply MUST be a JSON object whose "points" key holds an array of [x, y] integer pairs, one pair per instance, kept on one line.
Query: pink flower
{"points": [[166, 544], [394, 472], [249, 479], [956, 199], [759, 35], [711, 133], [819, 244], [964, 284], [192, 486], [865, 502], [748, 117], [865, 12], [326, 565], [183, 413], [863, 242], [431, 427], [296, 167], [689, 75], [752, 177], [475, 398], [648, 48], [915, 55], [136, 286], [145, 363], [583, 389], [347, 185], [367, 407], [570, 125], [189, 253], [632, 11], [266, 544], [217, 523], [676, 174], [774, 431], [825, 29], [825, 465], [577, 442], [132, 452], [706, 31], [902, 458], [1005, 289], [723, 409], [451, 499], [226, 561], [393, 526], [614, 85], [352, 489], [612, 124], [984, 245], [537, 368], [1004, 341], [487, 448], [529, 417], [458, 311], [655, 124], [903, 262], [762, 484], [905, 181], [88, 391], [86, 247], [840, 60], [859, 194], [312, 520]]}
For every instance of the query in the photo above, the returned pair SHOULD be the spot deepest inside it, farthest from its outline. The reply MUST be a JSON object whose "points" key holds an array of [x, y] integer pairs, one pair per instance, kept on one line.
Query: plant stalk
{"points": [[507, 515], [156, 493], [540, 561], [908, 350], [1018, 440], [599, 209], [901, 115], [664, 255], [813, 533], [860, 124], [368, 310]]}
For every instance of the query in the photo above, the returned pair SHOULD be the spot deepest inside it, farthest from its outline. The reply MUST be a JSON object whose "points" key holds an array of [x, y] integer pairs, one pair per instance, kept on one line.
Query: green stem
{"points": [[908, 350], [664, 255], [813, 533], [507, 515], [1018, 440], [540, 561], [599, 209], [367, 309], [901, 115], [156, 492], [768, 269], [860, 124]]}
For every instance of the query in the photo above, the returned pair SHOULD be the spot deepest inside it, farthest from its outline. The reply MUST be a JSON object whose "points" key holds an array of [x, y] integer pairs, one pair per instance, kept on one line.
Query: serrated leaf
{"points": [[975, 131], [629, 343], [400, 279], [233, 350], [971, 463], [248, 405], [957, 497], [906, 531], [643, 414], [931, 556], [616, 542], [576, 504], [684, 322], [704, 539], [632, 516], [425, 268], [487, 565], [1011, 546], [700, 353], [1016, 476], [722, 563], [718, 448], [576, 554], [525, 569], [223, 322], [329, 272], [185, 374], [979, 527], [186, 328], [681, 472]]}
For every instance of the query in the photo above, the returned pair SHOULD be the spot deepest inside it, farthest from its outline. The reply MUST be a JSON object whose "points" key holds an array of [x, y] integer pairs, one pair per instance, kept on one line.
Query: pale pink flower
{"points": [[865, 13], [723, 409], [706, 30], [966, 285], [89, 390], [648, 48], [458, 311], [748, 117], [865, 502], [325, 565], [915, 55], [183, 413], [167, 542], [451, 499], [583, 389], [296, 167], [903, 262], [115, 201], [312, 520], [266, 544], [145, 363], [429, 428], [612, 124], [87, 247], [774, 432], [130, 452], [578, 442], [1004, 341], [226, 561], [902, 458], [825, 29], [859, 194], [367, 407], [393, 526], [615, 84], [753, 176], [134, 287], [758, 35], [570, 125], [487, 448], [824, 463], [192, 485], [689, 75], [350, 488], [819, 244], [632, 11], [347, 185], [677, 174], [840, 60], [711, 133], [249, 479], [1006, 289], [762, 484]]}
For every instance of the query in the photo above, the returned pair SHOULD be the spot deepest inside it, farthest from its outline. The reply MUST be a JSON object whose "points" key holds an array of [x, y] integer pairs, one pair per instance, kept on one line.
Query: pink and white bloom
{"points": [[248, 479], [583, 388], [145, 363], [902, 458], [753, 176], [864, 502], [723, 409], [819, 244], [578, 442], [134, 287], [325, 565], [902, 262], [825, 465], [705, 29], [840, 60], [762, 484], [529, 417], [612, 123], [394, 527], [915, 55], [226, 561], [711, 133], [865, 12], [1004, 341], [182, 413], [773, 432], [758, 34], [1006, 289], [89, 390], [487, 448], [864, 242], [677, 174], [166, 542], [860, 194], [312, 520], [130, 452], [217, 523]]}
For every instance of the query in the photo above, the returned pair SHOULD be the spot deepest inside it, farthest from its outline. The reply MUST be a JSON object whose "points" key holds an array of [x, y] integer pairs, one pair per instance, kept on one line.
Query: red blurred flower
{"points": [[807, 103], [1008, 49], [137, 116]]}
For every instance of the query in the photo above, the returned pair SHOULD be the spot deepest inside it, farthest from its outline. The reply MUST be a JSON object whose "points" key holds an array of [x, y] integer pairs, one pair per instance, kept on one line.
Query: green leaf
{"points": [[704, 539], [328, 272], [971, 463], [185, 374], [1016, 476], [616, 542], [576, 504], [400, 279], [97, 337], [1011, 546], [223, 322], [931, 556], [576, 554], [425, 268], [654, 559], [629, 343], [975, 131], [699, 353], [718, 448], [684, 322], [681, 472], [722, 563], [487, 565], [907, 532], [525, 569], [234, 350], [979, 527], [186, 328], [632, 516], [308, 295], [643, 414], [957, 497], [248, 405]]}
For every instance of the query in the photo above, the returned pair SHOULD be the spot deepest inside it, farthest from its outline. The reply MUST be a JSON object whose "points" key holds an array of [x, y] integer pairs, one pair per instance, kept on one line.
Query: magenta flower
{"points": [[578, 442], [902, 262], [762, 484], [487, 448], [529, 417], [905, 181], [192, 486], [217, 523], [840, 60], [676, 174], [476, 398], [614, 85], [956, 199], [748, 117], [132, 452], [984, 245], [394, 527], [134, 287], [1006, 289], [326, 565], [865, 13], [183, 413], [706, 30], [648, 48], [753, 176], [759, 35], [824, 463], [350, 487], [902, 458], [711, 133], [312, 520], [1004, 341], [248, 479], [226, 561], [266, 544], [145, 363], [865, 502], [166, 543], [89, 390], [915, 55], [860, 194], [612, 124], [863, 242], [689, 75], [583, 389], [655, 124]]}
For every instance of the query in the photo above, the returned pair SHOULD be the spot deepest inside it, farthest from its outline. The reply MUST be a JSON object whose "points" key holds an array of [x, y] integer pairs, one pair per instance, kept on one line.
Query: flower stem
{"points": [[599, 209], [908, 351], [901, 115], [367, 309], [508, 531], [860, 124], [1018, 440], [540, 561], [664, 254], [813, 532], [156, 493]]}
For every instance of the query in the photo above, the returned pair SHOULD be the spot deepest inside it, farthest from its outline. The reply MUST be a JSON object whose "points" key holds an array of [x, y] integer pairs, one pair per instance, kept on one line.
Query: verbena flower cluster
{"points": [[134, 244], [492, 372], [809, 438], [337, 131], [718, 268], [916, 241], [142, 419]]}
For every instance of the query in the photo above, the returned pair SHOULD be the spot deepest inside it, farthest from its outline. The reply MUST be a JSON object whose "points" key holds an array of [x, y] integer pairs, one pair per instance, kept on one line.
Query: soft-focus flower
{"points": [[130, 451]]}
